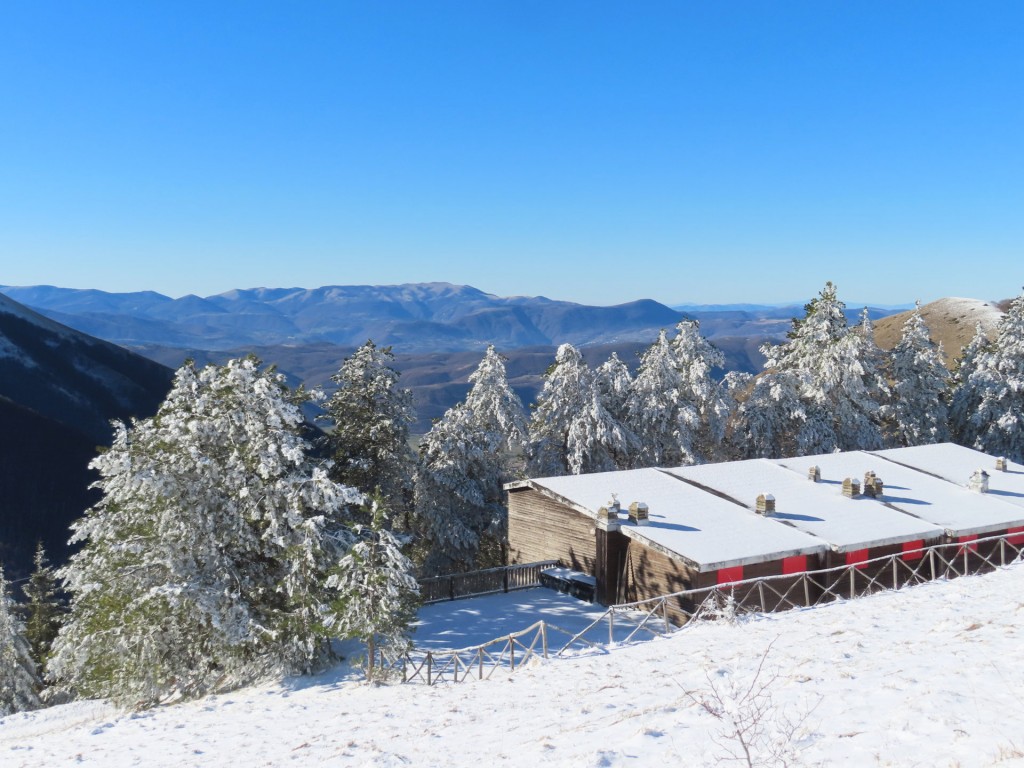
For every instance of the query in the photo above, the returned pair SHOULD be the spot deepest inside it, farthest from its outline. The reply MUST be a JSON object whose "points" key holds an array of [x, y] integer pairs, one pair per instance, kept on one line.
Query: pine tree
{"points": [[696, 357], [770, 422], [997, 424], [202, 567], [965, 393], [19, 681], [571, 432], [663, 420], [371, 416], [450, 499], [43, 610], [874, 361], [918, 412], [613, 383], [836, 385], [465, 460], [375, 592]]}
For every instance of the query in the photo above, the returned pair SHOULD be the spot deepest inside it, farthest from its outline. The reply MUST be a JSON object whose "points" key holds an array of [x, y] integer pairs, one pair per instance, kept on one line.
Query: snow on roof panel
{"points": [[816, 508], [707, 531], [955, 463], [930, 498]]}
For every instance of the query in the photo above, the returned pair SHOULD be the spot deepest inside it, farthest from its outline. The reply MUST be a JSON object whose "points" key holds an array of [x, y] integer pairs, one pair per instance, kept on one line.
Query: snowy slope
{"points": [[930, 676]]}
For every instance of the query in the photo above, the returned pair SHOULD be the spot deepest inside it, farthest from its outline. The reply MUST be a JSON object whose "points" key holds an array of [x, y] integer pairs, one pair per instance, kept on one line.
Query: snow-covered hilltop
{"points": [[951, 320]]}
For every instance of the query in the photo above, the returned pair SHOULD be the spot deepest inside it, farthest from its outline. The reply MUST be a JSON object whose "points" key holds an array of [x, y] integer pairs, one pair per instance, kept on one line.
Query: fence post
{"points": [[544, 638], [480, 653], [853, 582], [931, 560], [512, 652], [807, 590], [430, 658], [504, 580], [1002, 552], [895, 574]]}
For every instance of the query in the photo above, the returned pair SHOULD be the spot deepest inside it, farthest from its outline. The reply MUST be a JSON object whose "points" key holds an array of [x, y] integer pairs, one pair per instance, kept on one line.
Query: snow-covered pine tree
{"points": [[450, 499], [874, 361], [769, 422], [917, 414], [370, 439], [695, 358], [829, 361], [43, 609], [465, 460], [571, 432], [202, 567], [613, 382], [965, 394], [998, 422], [18, 678], [664, 421], [375, 592]]}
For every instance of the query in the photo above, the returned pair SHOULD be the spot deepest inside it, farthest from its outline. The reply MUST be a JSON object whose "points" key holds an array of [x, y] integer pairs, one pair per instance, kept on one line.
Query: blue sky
{"points": [[591, 151]]}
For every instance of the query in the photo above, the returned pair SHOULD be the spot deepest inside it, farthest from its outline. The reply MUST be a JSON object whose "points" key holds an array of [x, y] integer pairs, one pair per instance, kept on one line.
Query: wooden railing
{"points": [[659, 616], [475, 583]]}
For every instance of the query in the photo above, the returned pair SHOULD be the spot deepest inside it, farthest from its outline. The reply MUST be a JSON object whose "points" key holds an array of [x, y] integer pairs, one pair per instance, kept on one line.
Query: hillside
{"points": [[951, 321], [59, 389], [929, 676]]}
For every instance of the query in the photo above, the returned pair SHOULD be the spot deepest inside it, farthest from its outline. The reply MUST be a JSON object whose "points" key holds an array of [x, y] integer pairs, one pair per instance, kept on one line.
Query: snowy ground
{"points": [[931, 676]]}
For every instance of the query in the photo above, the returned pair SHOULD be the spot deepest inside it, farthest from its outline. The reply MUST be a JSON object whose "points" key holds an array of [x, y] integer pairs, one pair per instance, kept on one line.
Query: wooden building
{"points": [[857, 528], [650, 532], [645, 533], [964, 510]]}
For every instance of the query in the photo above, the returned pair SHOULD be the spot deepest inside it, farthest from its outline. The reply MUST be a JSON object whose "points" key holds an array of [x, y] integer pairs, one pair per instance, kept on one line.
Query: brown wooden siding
{"points": [[540, 528], [649, 573]]}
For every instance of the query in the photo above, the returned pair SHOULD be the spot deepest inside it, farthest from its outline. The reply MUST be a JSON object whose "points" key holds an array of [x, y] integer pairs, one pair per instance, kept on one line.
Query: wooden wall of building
{"points": [[540, 528]]}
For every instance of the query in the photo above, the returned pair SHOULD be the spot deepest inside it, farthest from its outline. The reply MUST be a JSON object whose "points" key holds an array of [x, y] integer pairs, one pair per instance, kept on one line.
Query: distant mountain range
{"points": [[438, 331], [429, 317]]}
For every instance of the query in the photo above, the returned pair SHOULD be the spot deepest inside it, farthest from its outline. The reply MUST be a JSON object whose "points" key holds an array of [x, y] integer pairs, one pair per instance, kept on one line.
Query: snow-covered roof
{"points": [[702, 529], [956, 463], [955, 508], [816, 508]]}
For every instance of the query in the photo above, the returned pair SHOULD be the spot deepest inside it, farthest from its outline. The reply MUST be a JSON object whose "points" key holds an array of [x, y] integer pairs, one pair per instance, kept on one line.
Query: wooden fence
{"points": [[475, 583], [650, 618]]}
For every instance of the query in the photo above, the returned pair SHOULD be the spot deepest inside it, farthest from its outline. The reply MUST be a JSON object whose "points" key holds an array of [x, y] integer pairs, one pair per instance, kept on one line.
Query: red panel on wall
{"points": [[1015, 536], [909, 547], [725, 575], [795, 564], [858, 558], [966, 540]]}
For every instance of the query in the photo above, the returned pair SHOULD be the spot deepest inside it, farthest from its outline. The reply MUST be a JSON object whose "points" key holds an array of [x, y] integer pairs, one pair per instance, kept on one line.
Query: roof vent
{"points": [[979, 481], [873, 485], [607, 519], [851, 488], [814, 473], [1001, 464], [765, 504], [638, 513]]}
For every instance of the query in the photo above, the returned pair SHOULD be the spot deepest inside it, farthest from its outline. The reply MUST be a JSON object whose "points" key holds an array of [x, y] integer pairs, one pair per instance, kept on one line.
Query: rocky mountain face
{"points": [[59, 389]]}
